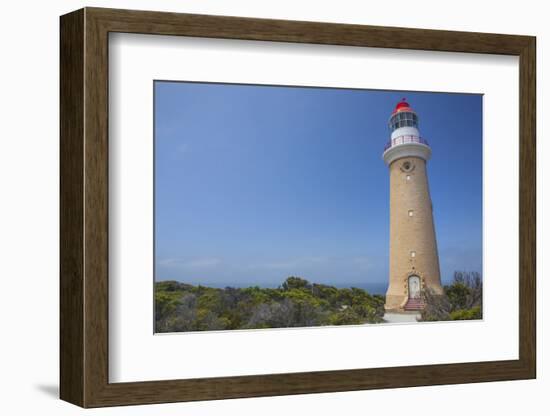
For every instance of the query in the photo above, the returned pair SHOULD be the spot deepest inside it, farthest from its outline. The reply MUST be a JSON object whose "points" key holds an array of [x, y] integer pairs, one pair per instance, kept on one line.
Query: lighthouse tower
{"points": [[414, 261]]}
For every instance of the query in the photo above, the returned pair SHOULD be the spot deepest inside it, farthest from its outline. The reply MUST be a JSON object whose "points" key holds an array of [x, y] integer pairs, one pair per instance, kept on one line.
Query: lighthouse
{"points": [[414, 261]]}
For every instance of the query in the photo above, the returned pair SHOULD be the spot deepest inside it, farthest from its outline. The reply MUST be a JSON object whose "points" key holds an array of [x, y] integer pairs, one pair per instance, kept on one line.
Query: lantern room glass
{"points": [[403, 119]]}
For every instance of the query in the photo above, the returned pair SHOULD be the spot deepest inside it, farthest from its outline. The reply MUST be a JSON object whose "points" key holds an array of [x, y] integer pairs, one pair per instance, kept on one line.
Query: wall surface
{"points": [[411, 229], [29, 209]]}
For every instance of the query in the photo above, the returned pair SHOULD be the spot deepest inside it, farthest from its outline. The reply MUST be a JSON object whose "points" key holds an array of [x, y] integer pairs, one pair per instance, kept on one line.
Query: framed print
{"points": [[255, 207]]}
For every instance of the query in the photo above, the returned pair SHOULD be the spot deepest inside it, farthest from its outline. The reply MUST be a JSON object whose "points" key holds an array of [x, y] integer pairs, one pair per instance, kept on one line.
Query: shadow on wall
{"points": [[51, 390]]}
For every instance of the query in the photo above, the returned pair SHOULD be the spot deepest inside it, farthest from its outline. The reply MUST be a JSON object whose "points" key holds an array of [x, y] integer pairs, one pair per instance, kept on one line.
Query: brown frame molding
{"points": [[84, 207]]}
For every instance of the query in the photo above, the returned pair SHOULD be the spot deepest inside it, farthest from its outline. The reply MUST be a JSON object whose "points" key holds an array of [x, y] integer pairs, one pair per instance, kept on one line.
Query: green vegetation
{"points": [[182, 307], [462, 299], [296, 303]]}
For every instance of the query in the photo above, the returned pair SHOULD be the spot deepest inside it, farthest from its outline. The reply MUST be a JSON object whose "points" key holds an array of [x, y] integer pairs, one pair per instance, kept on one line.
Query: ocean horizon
{"points": [[372, 288]]}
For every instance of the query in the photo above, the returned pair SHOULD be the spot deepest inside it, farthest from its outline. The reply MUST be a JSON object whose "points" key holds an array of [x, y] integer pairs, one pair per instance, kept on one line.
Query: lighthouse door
{"points": [[414, 287]]}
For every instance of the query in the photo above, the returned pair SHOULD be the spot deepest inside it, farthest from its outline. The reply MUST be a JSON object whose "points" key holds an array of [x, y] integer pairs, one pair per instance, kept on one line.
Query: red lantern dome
{"points": [[403, 116], [402, 105]]}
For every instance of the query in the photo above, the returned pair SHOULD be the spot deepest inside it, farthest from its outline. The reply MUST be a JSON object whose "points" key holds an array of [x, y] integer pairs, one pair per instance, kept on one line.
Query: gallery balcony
{"points": [[404, 140], [406, 146]]}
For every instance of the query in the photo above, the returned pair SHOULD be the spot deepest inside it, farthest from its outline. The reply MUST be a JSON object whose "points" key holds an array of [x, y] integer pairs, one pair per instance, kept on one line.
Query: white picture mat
{"points": [[135, 354]]}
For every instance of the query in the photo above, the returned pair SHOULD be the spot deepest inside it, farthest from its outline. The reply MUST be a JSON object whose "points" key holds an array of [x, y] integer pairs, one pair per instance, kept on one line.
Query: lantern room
{"points": [[403, 116], [405, 139]]}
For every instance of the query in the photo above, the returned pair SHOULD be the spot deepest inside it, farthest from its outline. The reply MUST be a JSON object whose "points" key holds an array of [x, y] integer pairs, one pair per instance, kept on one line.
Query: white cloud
{"points": [[292, 263], [190, 264], [363, 262]]}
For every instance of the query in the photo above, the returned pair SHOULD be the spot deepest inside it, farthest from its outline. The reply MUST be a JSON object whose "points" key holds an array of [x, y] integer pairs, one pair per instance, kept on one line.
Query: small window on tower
{"points": [[411, 212], [413, 254], [408, 177]]}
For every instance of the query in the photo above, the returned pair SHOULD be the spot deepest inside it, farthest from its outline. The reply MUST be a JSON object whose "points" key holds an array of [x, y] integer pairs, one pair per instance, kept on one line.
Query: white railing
{"points": [[405, 139]]}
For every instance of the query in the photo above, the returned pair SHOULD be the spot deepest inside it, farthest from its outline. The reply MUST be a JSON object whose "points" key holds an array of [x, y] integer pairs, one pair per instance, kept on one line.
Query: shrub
{"points": [[462, 314], [296, 303], [462, 299]]}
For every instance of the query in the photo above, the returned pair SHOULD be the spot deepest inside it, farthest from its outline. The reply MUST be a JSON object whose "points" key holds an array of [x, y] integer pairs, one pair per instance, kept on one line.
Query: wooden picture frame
{"points": [[84, 207]]}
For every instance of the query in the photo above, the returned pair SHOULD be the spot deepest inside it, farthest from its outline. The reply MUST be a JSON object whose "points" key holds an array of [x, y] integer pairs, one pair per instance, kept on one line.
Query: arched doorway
{"points": [[414, 287]]}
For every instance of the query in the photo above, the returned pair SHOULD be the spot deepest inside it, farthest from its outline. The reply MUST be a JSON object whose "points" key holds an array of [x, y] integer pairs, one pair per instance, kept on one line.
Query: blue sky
{"points": [[257, 183]]}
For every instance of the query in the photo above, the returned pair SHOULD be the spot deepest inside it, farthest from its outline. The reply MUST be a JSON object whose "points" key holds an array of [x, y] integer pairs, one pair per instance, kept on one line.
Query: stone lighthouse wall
{"points": [[413, 247]]}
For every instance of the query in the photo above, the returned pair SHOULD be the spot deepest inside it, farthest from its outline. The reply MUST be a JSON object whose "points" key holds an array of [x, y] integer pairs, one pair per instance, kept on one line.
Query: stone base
{"points": [[401, 317]]}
